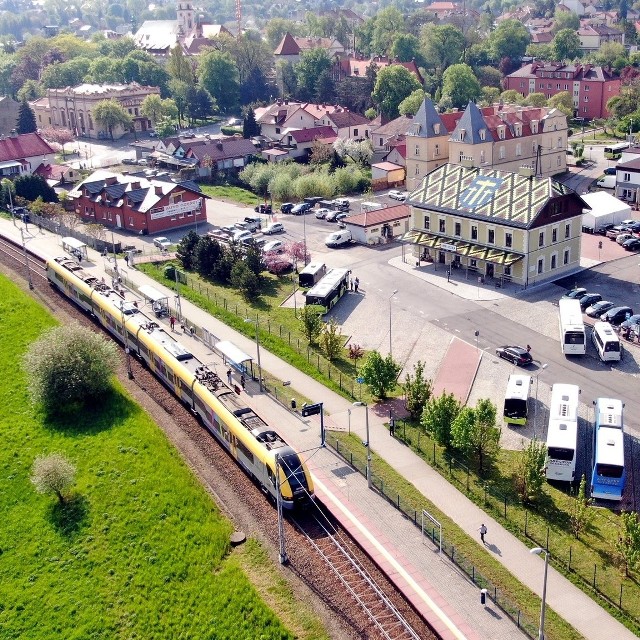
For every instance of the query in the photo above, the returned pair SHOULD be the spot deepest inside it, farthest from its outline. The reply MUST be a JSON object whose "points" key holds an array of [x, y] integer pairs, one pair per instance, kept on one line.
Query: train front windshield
{"points": [[295, 473]]}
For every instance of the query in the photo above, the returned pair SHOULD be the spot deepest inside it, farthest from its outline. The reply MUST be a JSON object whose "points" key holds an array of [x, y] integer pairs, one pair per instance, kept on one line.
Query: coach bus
{"points": [[572, 332], [609, 475], [562, 434], [311, 274], [606, 342], [516, 399], [330, 289]]}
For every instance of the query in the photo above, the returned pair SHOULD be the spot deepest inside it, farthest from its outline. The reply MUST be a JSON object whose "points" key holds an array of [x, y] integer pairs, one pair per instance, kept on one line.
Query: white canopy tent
{"points": [[605, 209]]}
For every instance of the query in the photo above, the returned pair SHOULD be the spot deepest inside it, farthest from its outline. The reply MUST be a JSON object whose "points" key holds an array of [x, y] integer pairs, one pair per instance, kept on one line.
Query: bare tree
{"points": [[53, 474]]}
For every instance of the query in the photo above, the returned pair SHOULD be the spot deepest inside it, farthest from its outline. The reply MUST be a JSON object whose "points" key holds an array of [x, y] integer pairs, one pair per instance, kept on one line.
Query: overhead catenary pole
{"points": [[26, 259], [282, 555]]}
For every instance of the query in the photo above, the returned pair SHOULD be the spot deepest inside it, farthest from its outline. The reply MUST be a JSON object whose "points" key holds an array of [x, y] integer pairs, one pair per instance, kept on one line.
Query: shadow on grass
{"points": [[70, 516], [93, 416]]}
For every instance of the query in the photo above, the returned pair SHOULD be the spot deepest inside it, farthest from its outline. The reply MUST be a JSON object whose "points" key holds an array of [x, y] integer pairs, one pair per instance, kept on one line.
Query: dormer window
{"points": [[436, 128], [462, 132], [518, 128], [482, 133], [534, 126], [501, 132]]}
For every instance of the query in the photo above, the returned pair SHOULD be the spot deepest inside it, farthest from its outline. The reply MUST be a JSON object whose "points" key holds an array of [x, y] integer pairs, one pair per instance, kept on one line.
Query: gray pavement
{"points": [[573, 605]]}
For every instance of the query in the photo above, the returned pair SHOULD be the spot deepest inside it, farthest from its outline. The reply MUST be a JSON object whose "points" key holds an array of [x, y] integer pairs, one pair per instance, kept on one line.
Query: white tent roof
{"points": [[604, 204], [231, 352]]}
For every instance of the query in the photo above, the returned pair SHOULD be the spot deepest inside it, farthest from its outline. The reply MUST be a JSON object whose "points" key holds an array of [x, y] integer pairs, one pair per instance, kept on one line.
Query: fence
{"points": [[413, 512], [604, 578]]}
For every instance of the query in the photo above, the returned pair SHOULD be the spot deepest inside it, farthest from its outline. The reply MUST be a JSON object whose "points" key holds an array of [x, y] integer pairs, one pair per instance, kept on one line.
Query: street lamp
{"points": [[367, 443], [304, 232], [257, 348], [537, 551], [535, 406], [391, 296]]}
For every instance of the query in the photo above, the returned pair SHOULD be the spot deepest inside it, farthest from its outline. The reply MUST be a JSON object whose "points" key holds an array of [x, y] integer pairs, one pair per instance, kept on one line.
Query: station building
{"points": [[495, 224]]}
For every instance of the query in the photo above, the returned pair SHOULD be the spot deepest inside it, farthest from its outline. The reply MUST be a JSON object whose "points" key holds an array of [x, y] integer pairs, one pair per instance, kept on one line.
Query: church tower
{"points": [[186, 22]]}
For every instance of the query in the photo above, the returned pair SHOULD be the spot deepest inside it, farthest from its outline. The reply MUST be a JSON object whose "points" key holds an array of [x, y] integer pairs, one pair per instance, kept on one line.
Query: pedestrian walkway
{"points": [[454, 590], [457, 370]]}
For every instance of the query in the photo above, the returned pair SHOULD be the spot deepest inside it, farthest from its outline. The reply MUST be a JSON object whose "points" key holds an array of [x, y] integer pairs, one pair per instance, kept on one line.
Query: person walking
{"points": [[351, 283], [528, 348], [483, 532], [172, 322], [229, 380], [243, 381], [356, 284]]}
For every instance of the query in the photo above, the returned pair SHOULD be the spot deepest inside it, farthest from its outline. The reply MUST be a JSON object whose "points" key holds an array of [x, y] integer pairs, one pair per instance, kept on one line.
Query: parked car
{"points": [[331, 216], [274, 227], [300, 209], [273, 245], [588, 299], [338, 239], [242, 234], [142, 162], [233, 122], [322, 213], [623, 237], [632, 244], [518, 355], [342, 204], [341, 216], [162, 243], [615, 231], [597, 309], [394, 194], [576, 293], [128, 160], [254, 242], [286, 207], [250, 223], [152, 133], [634, 227], [313, 200], [607, 182], [602, 230], [610, 171], [188, 134], [617, 315]]}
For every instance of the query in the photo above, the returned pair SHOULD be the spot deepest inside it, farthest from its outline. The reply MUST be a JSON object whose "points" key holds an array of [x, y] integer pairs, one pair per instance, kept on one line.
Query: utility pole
{"points": [[282, 555]]}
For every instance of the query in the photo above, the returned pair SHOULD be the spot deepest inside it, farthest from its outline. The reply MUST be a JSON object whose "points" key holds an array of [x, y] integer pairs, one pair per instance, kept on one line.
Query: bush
{"points": [[317, 183], [53, 474], [69, 365]]}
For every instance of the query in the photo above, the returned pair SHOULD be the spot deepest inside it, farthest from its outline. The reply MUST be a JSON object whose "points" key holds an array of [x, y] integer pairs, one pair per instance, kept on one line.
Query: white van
{"points": [[338, 238], [370, 206], [607, 182]]}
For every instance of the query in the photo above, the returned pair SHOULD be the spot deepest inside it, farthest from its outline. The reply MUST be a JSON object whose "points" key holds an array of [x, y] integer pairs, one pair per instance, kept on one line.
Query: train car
{"points": [[243, 433]]}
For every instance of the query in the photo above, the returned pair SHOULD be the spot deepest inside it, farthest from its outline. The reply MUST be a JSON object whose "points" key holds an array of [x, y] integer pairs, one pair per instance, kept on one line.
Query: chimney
{"points": [[158, 190], [135, 185]]}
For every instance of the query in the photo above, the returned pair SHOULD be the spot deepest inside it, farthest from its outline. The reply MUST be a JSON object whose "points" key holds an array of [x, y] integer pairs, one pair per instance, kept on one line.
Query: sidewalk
{"points": [[568, 601]]}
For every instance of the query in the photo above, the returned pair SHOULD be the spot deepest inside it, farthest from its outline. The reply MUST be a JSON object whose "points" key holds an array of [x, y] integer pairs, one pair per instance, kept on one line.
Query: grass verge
{"points": [[139, 550], [235, 194]]}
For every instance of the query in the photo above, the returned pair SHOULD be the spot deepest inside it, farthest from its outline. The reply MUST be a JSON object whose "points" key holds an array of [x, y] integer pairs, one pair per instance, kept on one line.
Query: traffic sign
{"points": [[360, 380]]}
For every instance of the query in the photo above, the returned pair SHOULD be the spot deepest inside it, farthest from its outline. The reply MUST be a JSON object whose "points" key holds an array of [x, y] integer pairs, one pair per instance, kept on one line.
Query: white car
{"points": [[321, 214], [162, 243], [273, 245], [394, 194], [241, 235], [274, 227]]}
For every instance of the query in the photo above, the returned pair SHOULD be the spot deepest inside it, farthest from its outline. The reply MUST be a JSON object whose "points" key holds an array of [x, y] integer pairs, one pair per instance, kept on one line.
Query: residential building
{"points": [[23, 154], [347, 124], [628, 181], [297, 143], [288, 115], [592, 36], [8, 115], [138, 204], [222, 155], [496, 224], [590, 86], [57, 174], [355, 66], [290, 47], [379, 225], [73, 107], [385, 136], [386, 174]]}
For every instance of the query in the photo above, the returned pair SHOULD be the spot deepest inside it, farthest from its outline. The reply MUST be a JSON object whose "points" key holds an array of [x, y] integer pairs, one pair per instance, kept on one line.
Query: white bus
{"points": [[608, 475], [606, 342], [562, 434], [572, 333], [616, 149], [516, 399]]}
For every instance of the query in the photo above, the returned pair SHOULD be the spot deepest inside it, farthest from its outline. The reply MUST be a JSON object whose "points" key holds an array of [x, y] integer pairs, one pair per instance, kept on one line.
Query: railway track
{"points": [[32, 269]]}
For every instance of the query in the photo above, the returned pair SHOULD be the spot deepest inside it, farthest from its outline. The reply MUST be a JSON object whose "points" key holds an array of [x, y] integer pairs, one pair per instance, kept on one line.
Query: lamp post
{"points": [[391, 296], [26, 259], [257, 349], [535, 406], [537, 551], [127, 350], [304, 233], [367, 443]]}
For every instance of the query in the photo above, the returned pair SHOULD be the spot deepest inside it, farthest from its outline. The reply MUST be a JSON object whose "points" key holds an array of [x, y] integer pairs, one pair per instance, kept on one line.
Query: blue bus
{"points": [[609, 475]]}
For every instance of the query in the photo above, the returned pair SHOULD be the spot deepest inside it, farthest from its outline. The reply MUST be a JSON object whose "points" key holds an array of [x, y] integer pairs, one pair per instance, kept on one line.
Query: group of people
{"points": [[354, 284], [243, 380]]}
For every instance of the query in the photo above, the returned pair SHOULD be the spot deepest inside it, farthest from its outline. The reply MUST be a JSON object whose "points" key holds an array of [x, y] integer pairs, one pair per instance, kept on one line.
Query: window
{"points": [[626, 177], [442, 224], [558, 86], [565, 257], [554, 235], [417, 153], [501, 132], [436, 128], [554, 257], [560, 145], [501, 154], [540, 265], [566, 87], [586, 87], [277, 129], [559, 161], [507, 270], [436, 150], [521, 83], [473, 263], [355, 133], [381, 142], [491, 236], [584, 109], [518, 149], [458, 229], [541, 239], [417, 170], [474, 232], [427, 223], [483, 134], [482, 157], [548, 85], [508, 240], [567, 231]]}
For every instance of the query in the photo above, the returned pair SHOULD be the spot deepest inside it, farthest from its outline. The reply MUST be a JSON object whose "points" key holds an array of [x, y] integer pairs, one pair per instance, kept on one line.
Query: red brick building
{"points": [[591, 87], [138, 204]]}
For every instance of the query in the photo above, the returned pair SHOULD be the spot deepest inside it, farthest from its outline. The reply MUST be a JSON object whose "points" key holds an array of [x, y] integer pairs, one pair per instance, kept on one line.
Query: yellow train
{"points": [[245, 435]]}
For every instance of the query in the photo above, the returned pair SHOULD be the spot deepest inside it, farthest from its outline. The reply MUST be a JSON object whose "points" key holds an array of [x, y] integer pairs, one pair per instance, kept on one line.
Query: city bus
{"points": [[608, 475], [516, 399], [572, 332], [562, 433], [330, 289], [606, 342], [311, 274], [616, 149]]}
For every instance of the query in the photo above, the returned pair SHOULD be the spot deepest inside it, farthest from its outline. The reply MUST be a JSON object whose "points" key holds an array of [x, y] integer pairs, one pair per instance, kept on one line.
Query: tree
{"points": [[65, 74], [276, 29], [207, 255], [199, 104], [253, 259], [26, 119], [566, 45], [609, 52], [535, 99], [165, 127], [460, 84], [411, 104], [308, 71], [389, 23], [360, 151], [245, 280], [510, 39], [511, 96], [31, 187], [417, 391], [485, 436], [380, 373], [442, 45], [393, 84], [565, 20], [529, 475], [218, 74], [405, 48], [178, 91], [581, 515], [628, 543], [53, 473], [563, 102], [355, 353], [59, 136], [179, 66], [250, 127], [438, 416], [186, 250], [490, 95], [151, 107], [110, 114], [321, 152], [331, 340], [311, 320], [69, 366]]}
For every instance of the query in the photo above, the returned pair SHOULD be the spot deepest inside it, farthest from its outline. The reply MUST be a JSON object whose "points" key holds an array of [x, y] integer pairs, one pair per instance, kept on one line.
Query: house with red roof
{"points": [[380, 225], [347, 124], [354, 66], [290, 115], [290, 47], [57, 174], [297, 143], [23, 154], [222, 155]]}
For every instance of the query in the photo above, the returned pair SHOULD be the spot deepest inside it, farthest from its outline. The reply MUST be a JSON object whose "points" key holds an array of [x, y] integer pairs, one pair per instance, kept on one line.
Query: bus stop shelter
{"points": [[159, 301], [235, 357], [76, 248]]}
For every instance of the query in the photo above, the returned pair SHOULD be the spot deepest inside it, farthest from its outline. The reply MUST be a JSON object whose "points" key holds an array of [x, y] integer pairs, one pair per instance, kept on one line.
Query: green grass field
{"points": [[235, 194], [140, 550]]}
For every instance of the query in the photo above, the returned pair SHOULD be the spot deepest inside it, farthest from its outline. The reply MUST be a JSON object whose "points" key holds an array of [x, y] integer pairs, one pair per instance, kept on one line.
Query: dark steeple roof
{"points": [[423, 123], [471, 123]]}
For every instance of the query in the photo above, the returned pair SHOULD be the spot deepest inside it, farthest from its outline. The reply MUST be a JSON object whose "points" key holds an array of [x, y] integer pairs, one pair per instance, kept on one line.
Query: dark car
{"points": [[597, 309], [313, 200], [634, 227], [588, 299], [517, 355], [617, 315], [604, 228], [610, 171], [286, 207], [300, 209], [575, 294], [331, 217], [342, 215], [632, 244]]}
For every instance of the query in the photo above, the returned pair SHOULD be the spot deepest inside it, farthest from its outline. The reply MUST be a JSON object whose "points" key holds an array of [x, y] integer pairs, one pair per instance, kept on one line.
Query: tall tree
{"points": [[393, 84], [308, 71], [529, 475], [151, 107], [566, 45], [59, 136], [565, 20], [438, 416], [460, 83], [110, 114], [389, 24], [179, 66], [26, 119], [509, 40], [250, 127], [200, 104], [405, 48], [442, 46], [417, 391], [380, 373], [218, 74], [628, 544]]}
